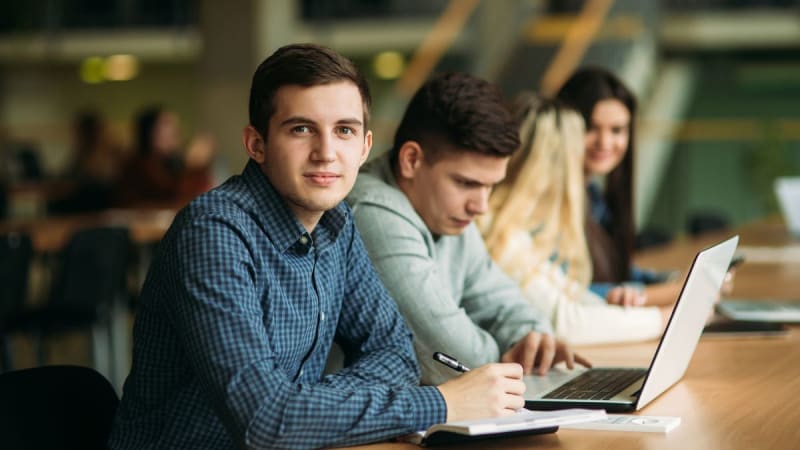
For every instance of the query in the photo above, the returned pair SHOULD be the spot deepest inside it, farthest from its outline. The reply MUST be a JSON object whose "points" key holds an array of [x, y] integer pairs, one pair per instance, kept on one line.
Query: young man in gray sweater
{"points": [[414, 208]]}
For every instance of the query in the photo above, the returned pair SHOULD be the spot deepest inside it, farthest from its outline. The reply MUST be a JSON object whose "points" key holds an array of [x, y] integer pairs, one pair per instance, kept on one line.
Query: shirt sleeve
{"points": [[375, 340], [218, 316], [438, 320], [494, 300], [601, 289]]}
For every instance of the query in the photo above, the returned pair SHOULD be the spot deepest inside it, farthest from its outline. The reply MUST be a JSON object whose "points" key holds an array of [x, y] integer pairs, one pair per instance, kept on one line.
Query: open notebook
{"points": [[522, 423]]}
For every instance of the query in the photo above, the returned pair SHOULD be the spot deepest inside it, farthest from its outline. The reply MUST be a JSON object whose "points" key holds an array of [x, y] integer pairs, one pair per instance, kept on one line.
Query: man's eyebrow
{"points": [[472, 181], [349, 121], [295, 120]]}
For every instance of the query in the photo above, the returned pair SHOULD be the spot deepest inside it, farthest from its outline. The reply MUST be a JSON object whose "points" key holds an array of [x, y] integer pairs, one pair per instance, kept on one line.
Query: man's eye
{"points": [[346, 131], [301, 129]]}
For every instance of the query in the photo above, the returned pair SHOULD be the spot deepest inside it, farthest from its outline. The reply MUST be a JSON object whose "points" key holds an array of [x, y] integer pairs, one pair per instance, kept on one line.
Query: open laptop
{"points": [[630, 389], [787, 189]]}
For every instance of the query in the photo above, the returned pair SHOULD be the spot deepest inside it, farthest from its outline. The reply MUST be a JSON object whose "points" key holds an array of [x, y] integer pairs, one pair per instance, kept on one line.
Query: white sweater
{"points": [[578, 316]]}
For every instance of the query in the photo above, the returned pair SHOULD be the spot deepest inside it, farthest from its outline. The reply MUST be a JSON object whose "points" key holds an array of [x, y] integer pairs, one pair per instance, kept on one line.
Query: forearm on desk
{"points": [[587, 319]]}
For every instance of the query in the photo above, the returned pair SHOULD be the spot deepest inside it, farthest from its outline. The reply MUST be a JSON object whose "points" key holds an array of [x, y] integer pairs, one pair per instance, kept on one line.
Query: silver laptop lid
{"points": [[694, 305]]}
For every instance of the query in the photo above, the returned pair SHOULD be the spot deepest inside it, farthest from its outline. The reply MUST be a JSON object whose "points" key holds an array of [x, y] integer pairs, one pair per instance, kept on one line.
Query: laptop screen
{"points": [[692, 309], [787, 189]]}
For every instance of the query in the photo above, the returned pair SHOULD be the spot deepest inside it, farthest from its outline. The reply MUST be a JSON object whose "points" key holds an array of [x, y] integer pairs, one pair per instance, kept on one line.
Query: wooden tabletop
{"points": [[738, 393], [50, 234]]}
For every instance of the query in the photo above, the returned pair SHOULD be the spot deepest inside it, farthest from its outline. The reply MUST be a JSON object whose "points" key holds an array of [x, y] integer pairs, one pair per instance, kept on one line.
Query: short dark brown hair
{"points": [[304, 65], [457, 112]]}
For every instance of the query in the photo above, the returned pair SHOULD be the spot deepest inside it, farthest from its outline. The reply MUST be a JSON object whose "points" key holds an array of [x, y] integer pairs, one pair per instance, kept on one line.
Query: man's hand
{"points": [[489, 391], [542, 351], [626, 296]]}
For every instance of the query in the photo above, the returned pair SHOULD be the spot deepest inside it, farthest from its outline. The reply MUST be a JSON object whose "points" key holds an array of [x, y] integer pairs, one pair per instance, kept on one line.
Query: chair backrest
{"points": [[65, 407], [16, 252], [706, 221], [93, 268]]}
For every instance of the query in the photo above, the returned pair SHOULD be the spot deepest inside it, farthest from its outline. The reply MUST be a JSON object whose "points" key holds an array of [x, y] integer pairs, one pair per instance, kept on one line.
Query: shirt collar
{"points": [[279, 222]]}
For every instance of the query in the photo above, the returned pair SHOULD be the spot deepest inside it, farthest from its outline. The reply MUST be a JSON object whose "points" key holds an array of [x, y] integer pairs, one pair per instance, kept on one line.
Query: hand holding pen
{"points": [[491, 390]]}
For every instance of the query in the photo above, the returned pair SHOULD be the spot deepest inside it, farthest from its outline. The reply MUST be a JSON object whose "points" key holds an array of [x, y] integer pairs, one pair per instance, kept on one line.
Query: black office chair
{"points": [[706, 221], [651, 237], [91, 275], [56, 407], [16, 253]]}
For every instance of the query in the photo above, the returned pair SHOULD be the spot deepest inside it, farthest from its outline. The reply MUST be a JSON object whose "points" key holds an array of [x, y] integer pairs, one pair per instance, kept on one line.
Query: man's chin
{"points": [[453, 230]]}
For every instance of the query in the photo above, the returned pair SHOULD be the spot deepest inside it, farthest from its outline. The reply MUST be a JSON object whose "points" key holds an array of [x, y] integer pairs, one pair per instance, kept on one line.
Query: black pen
{"points": [[450, 362]]}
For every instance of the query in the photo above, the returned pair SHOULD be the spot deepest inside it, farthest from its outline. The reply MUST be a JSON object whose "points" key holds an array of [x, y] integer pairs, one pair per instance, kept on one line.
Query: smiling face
{"points": [[607, 137], [451, 192], [316, 142]]}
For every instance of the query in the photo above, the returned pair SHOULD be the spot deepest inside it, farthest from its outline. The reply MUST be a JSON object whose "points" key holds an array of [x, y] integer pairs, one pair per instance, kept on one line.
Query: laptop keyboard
{"points": [[596, 384]]}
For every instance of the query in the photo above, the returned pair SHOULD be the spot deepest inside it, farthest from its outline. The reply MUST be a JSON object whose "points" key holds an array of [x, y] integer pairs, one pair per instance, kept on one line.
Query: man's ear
{"points": [[254, 144], [409, 159], [367, 147]]}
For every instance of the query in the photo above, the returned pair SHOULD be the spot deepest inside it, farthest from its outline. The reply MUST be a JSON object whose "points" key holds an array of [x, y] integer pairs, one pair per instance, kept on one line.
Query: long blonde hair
{"points": [[543, 194]]}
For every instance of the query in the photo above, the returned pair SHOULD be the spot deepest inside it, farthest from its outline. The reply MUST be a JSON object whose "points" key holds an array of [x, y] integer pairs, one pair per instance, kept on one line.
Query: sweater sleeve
{"points": [[588, 319], [579, 316]]}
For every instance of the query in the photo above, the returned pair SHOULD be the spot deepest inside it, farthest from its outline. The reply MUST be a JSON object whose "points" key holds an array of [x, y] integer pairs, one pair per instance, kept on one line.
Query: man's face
{"points": [[454, 190], [315, 144]]}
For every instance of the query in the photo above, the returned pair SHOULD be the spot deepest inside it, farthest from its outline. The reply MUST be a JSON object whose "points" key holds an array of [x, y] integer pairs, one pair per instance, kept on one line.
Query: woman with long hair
{"points": [[608, 108], [535, 231]]}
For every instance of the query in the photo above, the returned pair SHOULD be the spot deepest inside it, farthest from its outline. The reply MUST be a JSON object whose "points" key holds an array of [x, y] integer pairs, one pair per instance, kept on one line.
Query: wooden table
{"points": [[50, 234], [736, 394]]}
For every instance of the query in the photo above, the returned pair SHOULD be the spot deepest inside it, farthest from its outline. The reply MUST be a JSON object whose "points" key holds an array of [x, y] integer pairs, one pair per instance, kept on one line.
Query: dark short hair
{"points": [[457, 112], [304, 65]]}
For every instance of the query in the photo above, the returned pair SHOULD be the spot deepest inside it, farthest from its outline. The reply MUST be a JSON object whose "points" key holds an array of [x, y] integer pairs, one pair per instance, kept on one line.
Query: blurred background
{"points": [[718, 83], [718, 80]]}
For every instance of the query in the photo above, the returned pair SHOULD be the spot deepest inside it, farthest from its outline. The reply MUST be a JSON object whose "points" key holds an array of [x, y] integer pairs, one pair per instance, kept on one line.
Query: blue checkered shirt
{"points": [[235, 323]]}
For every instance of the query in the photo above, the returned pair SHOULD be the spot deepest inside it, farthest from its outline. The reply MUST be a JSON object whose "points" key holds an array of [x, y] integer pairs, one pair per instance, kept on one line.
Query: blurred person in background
{"points": [[608, 108], [160, 172], [535, 231], [92, 175]]}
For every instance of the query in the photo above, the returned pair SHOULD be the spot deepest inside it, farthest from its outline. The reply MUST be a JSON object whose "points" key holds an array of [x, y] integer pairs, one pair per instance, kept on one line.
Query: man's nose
{"points": [[479, 203], [324, 148]]}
